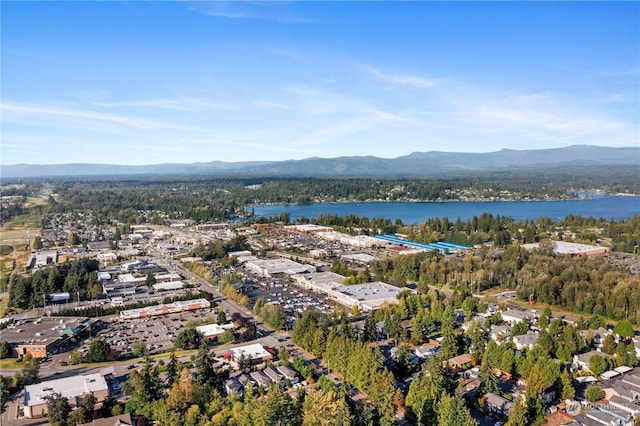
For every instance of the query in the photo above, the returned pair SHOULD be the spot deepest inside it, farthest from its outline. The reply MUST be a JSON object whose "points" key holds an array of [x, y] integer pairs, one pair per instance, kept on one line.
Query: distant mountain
{"points": [[415, 164]]}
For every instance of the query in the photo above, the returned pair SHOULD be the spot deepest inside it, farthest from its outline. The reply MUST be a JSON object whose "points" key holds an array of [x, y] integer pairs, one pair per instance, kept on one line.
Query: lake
{"points": [[606, 206]]}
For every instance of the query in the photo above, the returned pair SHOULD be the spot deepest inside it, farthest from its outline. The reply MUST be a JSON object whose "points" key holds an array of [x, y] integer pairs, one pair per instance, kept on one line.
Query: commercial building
{"points": [[73, 388], [44, 336], [254, 354], [366, 297], [573, 249], [272, 267], [169, 308]]}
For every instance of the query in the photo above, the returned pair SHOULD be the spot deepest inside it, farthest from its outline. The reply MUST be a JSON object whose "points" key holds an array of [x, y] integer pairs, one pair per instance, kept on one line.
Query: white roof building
{"points": [[368, 296], [72, 388], [272, 267], [213, 330], [168, 286], [254, 353]]}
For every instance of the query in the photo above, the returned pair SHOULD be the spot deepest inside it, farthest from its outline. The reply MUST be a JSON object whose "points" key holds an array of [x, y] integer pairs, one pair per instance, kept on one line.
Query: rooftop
{"points": [[68, 387]]}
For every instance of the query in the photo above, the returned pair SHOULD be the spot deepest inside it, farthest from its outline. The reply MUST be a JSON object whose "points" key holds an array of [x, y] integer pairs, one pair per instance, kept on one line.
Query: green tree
{"points": [[597, 364], [30, 370], [533, 395], [609, 344], [75, 357], [188, 338], [624, 329], [99, 350], [518, 415], [322, 408], [5, 350], [172, 370], [452, 412], [58, 409], [519, 328], [488, 380], [139, 348], [594, 393], [567, 391], [4, 393], [370, 333], [221, 317], [150, 280]]}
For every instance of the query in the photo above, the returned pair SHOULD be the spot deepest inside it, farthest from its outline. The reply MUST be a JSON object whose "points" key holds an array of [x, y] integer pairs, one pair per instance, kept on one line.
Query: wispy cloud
{"points": [[268, 11], [12, 111], [401, 79], [186, 104]]}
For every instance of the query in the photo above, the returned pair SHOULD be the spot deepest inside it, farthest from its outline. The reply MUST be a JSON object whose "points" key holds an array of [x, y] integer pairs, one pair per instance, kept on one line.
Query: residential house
{"points": [[426, 351], [261, 379], [288, 374], [270, 372], [526, 341], [581, 361], [233, 386], [497, 404], [121, 420], [598, 334], [460, 362], [515, 315], [498, 333]]}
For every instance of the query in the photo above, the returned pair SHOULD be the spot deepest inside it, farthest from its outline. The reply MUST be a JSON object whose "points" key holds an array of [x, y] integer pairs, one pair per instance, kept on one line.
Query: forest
{"points": [[208, 199]]}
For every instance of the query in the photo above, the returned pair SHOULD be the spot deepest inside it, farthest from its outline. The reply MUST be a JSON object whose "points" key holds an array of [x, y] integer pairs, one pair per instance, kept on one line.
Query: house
{"points": [[233, 386], [261, 379], [497, 404], [581, 361], [121, 420], [426, 351], [288, 374], [620, 403], [609, 417], [275, 377], [498, 333], [515, 315], [598, 336], [527, 340], [73, 388], [460, 362]]}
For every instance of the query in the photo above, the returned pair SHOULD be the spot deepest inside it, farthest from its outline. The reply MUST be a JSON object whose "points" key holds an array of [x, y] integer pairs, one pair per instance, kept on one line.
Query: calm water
{"points": [[608, 206]]}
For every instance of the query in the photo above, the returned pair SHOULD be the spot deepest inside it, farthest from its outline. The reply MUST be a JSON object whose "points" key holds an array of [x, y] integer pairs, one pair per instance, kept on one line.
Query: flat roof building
{"points": [[271, 267], [169, 308], [368, 296], [72, 388]]}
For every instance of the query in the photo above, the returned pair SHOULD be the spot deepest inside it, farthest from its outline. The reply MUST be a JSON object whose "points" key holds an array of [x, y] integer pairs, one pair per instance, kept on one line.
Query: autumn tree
{"points": [[322, 408]]}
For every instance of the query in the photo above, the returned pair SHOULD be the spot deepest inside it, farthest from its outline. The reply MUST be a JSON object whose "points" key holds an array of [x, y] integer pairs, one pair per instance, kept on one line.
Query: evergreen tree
{"points": [[172, 369], [370, 329], [452, 412], [488, 380], [533, 396], [567, 391], [518, 415]]}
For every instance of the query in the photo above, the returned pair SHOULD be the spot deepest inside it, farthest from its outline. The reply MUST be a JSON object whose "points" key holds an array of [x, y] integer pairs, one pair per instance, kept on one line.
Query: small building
{"points": [[121, 420], [497, 404], [261, 379], [233, 386], [460, 362], [211, 331], [270, 372], [288, 373], [526, 341], [254, 353]]}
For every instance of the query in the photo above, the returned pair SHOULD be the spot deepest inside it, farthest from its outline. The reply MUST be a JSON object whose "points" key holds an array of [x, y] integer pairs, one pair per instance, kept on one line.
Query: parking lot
{"points": [[157, 333], [294, 301]]}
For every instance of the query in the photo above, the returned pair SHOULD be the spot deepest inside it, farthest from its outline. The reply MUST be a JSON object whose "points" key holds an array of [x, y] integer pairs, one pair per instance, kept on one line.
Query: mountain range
{"points": [[412, 165]]}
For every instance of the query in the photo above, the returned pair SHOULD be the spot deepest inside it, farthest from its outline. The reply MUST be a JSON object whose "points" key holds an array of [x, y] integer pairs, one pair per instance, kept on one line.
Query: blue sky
{"points": [[181, 82]]}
